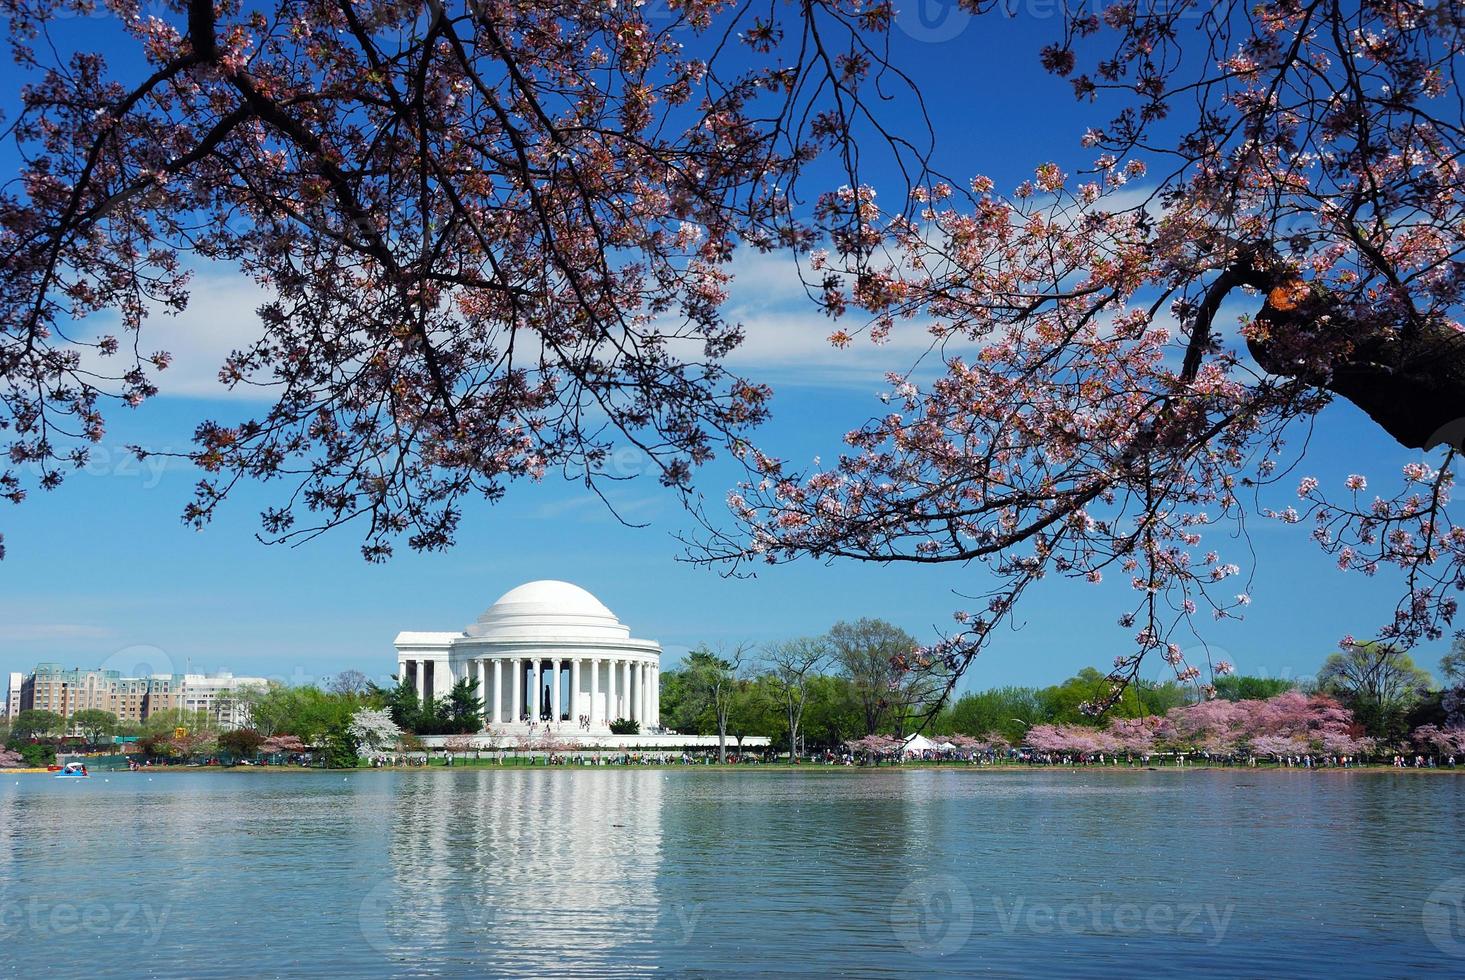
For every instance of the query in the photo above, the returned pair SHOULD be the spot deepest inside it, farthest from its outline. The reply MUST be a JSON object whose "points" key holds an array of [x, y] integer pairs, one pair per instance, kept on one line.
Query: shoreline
{"points": [[776, 767]]}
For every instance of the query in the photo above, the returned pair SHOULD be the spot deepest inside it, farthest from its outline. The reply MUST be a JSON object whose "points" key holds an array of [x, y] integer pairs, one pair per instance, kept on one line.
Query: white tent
{"points": [[916, 744]]}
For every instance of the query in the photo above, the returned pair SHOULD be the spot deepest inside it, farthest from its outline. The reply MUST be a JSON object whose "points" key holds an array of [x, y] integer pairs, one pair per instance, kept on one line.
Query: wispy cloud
{"points": [[588, 508], [33, 632]]}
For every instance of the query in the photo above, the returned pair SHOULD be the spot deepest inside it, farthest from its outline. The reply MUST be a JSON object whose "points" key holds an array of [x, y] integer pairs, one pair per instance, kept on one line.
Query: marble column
{"points": [[612, 705], [471, 675], [536, 700], [626, 690], [483, 692], [638, 693], [634, 687], [643, 706], [518, 673], [656, 695], [594, 691], [555, 711], [498, 691], [575, 692]]}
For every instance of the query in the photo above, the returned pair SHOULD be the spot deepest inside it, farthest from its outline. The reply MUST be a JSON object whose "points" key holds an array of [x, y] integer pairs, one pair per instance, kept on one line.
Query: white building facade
{"points": [[12, 694], [219, 696], [546, 655]]}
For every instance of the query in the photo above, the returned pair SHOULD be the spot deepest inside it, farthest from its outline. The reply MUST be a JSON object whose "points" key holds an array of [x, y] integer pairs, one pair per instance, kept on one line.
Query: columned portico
{"points": [[547, 656]]}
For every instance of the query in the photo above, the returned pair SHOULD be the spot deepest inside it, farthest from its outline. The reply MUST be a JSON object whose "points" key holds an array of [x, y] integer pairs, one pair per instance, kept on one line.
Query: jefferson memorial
{"points": [[549, 657]]}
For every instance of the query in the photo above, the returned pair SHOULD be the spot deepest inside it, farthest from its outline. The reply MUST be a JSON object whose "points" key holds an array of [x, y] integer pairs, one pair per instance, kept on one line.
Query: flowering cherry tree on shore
{"points": [[875, 746], [1440, 740], [283, 745], [1290, 724], [372, 730]]}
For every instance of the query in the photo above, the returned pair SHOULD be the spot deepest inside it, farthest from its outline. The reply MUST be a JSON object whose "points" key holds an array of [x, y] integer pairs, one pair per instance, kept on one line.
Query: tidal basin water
{"points": [[550, 873]]}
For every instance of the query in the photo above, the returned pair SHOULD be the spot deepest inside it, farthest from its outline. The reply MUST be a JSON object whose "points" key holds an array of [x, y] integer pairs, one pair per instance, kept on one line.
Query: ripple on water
{"points": [[625, 872]]}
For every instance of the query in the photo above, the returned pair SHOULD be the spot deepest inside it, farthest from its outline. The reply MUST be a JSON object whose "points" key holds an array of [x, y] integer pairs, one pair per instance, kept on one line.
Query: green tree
{"points": [[712, 683], [756, 710], [37, 755], [1379, 683], [836, 710], [792, 664], [200, 732], [241, 743], [462, 709], [339, 749], [1452, 664], [305, 711], [1239, 688], [867, 651], [1065, 703], [1008, 710], [35, 723], [681, 710], [94, 725], [402, 702]]}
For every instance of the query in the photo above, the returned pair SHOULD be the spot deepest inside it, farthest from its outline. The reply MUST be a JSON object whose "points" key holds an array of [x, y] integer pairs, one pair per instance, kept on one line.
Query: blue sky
{"points": [[103, 571]]}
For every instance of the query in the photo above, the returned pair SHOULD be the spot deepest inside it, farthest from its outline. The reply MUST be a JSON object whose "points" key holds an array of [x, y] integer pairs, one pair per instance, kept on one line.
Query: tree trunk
{"points": [[1410, 379], [723, 704]]}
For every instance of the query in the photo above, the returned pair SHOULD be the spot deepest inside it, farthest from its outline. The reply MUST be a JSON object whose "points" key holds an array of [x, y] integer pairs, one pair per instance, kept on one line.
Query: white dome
{"points": [[545, 609]]}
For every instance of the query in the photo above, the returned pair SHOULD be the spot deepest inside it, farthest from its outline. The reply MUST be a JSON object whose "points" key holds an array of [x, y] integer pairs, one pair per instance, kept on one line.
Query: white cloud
{"points": [[220, 319], [787, 337]]}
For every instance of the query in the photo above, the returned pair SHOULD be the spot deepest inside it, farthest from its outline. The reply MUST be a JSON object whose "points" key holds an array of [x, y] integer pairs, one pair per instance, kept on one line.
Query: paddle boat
{"points": [[73, 770]]}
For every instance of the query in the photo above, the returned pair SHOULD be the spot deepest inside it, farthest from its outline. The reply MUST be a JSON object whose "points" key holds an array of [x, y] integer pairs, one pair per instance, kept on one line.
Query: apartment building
{"points": [[51, 687]]}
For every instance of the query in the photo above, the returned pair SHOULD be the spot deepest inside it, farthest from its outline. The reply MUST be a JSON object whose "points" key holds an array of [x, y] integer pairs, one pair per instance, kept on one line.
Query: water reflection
{"points": [[538, 872]]}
